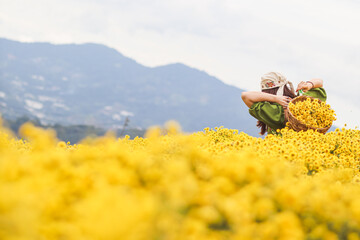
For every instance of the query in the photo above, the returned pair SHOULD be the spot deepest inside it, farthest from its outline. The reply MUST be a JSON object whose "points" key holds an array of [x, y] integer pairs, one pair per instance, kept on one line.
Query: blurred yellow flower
{"points": [[215, 184]]}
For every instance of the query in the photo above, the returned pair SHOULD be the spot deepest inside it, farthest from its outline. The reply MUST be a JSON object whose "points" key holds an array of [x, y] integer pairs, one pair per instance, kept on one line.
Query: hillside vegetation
{"points": [[91, 84]]}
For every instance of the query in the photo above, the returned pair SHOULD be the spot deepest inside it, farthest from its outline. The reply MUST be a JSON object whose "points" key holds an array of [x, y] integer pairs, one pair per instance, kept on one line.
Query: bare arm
{"points": [[250, 98], [313, 83], [317, 82]]}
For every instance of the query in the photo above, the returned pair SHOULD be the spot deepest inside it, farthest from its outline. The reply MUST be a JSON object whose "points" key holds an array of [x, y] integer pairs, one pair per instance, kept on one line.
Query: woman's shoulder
{"points": [[319, 93], [265, 106], [272, 114]]}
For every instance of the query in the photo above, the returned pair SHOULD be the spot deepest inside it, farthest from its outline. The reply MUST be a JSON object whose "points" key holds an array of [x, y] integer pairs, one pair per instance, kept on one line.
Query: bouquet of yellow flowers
{"points": [[310, 113]]}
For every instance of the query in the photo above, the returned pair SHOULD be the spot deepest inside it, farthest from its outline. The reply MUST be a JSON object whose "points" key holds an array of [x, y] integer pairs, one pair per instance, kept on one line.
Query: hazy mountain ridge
{"points": [[94, 84]]}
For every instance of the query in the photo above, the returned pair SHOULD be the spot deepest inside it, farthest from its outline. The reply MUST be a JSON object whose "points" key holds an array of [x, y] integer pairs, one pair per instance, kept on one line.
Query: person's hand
{"points": [[305, 86], [283, 100]]}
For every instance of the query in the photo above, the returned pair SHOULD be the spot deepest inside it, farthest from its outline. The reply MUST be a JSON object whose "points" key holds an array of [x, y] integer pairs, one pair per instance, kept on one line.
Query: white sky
{"points": [[234, 40]]}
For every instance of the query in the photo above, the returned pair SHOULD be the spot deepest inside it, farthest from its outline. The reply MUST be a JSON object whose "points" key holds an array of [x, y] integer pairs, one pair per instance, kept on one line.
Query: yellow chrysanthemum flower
{"points": [[216, 184], [313, 113]]}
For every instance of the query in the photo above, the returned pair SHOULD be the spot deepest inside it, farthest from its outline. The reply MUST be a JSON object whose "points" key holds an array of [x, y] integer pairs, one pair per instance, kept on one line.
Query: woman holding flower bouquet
{"points": [[269, 106]]}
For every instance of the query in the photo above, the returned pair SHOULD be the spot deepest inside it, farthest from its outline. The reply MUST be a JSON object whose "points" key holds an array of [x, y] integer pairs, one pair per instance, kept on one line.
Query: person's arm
{"points": [[250, 98], [313, 83]]}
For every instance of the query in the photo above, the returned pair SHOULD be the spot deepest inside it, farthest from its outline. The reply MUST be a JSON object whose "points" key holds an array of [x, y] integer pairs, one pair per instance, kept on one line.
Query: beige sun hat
{"points": [[273, 80]]}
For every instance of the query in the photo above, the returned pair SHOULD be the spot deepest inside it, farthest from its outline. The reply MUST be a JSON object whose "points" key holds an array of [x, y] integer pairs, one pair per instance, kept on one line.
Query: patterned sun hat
{"points": [[273, 80]]}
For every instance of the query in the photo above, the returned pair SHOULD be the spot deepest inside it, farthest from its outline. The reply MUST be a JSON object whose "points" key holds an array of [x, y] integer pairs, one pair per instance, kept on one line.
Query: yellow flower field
{"points": [[214, 184]]}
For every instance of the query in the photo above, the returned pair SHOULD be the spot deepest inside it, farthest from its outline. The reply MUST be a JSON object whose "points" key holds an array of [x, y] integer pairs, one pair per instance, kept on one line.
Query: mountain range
{"points": [[96, 85]]}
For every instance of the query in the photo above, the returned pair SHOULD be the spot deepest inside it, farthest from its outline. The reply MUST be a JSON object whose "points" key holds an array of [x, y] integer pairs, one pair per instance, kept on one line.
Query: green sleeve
{"points": [[272, 114], [317, 93]]}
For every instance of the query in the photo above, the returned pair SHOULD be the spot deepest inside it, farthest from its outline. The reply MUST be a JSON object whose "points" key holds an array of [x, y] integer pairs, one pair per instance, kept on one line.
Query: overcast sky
{"points": [[236, 41]]}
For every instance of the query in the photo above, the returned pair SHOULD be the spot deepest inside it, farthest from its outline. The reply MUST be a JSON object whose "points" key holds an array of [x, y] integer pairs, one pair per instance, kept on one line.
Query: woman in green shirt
{"points": [[270, 105]]}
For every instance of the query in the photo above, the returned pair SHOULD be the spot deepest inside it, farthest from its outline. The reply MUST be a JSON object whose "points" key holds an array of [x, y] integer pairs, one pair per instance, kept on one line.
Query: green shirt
{"points": [[272, 114]]}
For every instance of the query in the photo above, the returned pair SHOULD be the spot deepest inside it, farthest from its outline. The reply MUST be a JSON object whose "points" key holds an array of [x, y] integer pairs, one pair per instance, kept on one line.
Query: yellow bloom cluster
{"points": [[214, 184], [313, 113]]}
